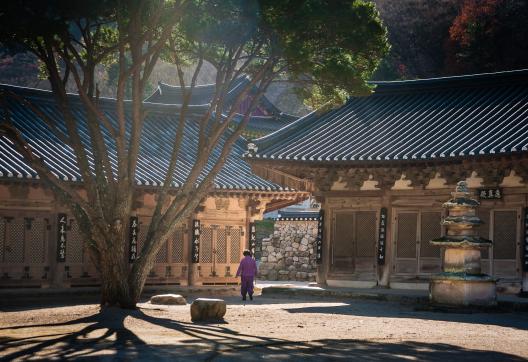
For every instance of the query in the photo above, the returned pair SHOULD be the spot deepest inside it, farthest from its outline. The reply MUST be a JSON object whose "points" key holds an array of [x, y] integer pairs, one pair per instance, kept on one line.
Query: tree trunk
{"points": [[116, 289]]}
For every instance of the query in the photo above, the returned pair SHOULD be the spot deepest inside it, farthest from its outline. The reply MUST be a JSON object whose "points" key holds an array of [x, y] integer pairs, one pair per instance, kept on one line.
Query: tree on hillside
{"points": [[329, 51], [488, 36], [418, 30]]}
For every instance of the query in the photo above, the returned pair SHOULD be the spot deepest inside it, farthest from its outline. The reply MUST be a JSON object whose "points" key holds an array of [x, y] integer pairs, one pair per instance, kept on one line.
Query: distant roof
{"points": [[158, 133], [438, 118], [203, 95]]}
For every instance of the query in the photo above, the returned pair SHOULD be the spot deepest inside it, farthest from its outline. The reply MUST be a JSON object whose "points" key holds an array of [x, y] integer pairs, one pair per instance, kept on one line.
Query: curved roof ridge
{"points": [[466, 80], [47, 95]]}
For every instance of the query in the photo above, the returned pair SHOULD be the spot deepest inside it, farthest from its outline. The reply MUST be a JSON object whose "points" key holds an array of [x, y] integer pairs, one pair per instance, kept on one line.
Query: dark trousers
{"points": [[247, 285]]}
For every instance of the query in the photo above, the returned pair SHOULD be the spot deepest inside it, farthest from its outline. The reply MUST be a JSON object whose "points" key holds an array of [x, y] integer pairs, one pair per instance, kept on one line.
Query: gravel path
{"points": [[268, 328]]}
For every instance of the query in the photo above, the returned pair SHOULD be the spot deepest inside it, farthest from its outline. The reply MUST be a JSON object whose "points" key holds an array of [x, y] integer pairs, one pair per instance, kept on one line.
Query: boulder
{"points": [[208, 309], [168, 299]]}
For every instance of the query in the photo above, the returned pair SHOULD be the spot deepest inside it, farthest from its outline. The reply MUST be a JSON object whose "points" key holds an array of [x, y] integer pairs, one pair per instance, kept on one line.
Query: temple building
{"points": [[30, 214], [266, 118], [382, 166]]}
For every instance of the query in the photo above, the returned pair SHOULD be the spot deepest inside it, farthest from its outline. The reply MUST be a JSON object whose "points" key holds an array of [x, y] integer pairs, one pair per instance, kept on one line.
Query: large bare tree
{"points": [[329, 51]]}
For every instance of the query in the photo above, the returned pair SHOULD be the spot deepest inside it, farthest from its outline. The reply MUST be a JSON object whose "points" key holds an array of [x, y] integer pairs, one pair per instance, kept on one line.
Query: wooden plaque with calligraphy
{"points": [[133, 238], [319, 241], [195, 247], [62, 222], [382, 236]]}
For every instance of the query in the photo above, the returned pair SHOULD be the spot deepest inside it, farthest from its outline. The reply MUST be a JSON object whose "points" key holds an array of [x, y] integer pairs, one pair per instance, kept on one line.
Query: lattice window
{"points": [[14, 250], [206, 243], [36, 241], [161, 256], [484, 229], [74, 244], [235, 236], [177, 246], [2, 238], [142, 236], [221, 245], [430, 229], [406, 242], [505, 235], [365, 233]]}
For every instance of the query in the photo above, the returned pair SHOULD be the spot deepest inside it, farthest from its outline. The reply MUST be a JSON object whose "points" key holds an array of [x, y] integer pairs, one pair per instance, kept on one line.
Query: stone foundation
{"points": [[288, 254], [463, 292]]}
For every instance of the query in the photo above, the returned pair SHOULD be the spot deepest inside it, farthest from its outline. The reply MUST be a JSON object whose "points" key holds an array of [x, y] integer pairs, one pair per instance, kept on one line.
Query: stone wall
{"points": [[288, 254]]}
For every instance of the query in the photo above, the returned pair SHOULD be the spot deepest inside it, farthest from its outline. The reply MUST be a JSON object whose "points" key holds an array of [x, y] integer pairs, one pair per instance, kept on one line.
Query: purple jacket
{"points": [[247, 267]]}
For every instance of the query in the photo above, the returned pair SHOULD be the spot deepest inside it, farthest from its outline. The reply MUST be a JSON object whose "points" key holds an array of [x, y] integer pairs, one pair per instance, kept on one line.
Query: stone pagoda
{"points": [[461, 282]]}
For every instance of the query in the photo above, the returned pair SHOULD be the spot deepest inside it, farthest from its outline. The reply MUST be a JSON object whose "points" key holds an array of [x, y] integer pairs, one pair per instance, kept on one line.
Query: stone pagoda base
{"points": [[463, 290]]}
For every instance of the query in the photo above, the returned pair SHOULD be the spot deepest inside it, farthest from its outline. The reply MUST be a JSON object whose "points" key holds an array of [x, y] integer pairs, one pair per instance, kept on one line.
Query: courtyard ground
{"points": [[269, 328]]}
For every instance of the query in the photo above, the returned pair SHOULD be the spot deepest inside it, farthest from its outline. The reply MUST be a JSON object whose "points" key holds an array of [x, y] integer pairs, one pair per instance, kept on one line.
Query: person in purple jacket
{"points": [[247, 270]]}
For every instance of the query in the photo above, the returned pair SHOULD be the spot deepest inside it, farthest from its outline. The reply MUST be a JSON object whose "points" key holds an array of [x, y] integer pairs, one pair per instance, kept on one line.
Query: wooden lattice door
{"points": [[353, 242], [414, 255], [221, 249], [171, 264], [24, 247], [506, 240]]}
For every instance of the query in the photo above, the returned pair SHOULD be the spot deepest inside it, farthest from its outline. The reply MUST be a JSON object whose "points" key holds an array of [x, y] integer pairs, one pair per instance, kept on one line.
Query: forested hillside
{"points": [[432, 38], [429, 38]]}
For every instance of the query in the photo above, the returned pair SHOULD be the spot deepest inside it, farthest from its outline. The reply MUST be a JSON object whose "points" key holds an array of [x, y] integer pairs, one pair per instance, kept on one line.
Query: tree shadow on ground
{"points": [[105, 336], [518, 320], [208, 342]]}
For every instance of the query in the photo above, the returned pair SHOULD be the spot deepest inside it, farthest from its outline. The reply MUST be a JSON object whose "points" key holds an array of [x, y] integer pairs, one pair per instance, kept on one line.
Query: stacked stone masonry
{"points": [[288, 254]]}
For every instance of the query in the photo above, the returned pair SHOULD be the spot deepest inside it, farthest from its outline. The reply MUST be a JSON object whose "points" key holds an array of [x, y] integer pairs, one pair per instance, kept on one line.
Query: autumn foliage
{"points": [[487, 36]]}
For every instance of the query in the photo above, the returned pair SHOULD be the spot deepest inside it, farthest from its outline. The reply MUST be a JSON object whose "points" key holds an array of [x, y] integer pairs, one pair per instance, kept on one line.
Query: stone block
{"points": [[284, 276], [273, 275], [463, 292], [168, 299], [208, 309]]}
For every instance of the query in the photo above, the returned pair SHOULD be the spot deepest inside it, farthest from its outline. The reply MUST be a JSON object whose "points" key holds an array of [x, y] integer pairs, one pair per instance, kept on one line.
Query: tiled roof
{"points": [[158, 133], [437, 118], [203, 94]]}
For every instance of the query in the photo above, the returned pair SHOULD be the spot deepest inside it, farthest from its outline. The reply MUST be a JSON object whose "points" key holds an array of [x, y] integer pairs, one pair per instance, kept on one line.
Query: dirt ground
{"points": [[265, 329]]}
